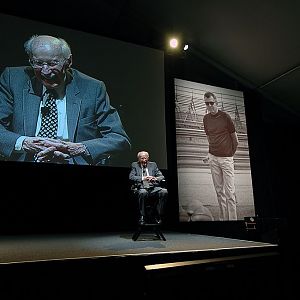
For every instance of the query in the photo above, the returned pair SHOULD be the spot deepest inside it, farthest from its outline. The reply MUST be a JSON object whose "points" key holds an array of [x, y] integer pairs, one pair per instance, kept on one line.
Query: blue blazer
{"points": [[90, 117], [135, 175]]}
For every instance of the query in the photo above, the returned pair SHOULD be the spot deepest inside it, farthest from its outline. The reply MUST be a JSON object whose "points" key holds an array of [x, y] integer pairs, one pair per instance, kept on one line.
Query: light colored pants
{"points": [[222, 171]]}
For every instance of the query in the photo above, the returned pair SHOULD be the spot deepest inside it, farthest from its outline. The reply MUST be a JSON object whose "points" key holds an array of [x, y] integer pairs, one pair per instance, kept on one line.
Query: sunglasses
{"points": [[209, 103]]}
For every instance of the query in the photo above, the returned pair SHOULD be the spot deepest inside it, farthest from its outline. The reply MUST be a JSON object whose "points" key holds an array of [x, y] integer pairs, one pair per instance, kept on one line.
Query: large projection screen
{"points": [[197, 197], [133, 75]]}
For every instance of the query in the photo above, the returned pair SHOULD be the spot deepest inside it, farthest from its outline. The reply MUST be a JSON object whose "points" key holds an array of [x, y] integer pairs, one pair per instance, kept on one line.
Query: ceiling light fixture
{"points": [[173, 43]]}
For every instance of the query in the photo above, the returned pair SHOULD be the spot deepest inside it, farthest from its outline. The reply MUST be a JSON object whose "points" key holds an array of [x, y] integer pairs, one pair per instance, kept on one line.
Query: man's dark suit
{"points": [[155, 189], [90, 118]]}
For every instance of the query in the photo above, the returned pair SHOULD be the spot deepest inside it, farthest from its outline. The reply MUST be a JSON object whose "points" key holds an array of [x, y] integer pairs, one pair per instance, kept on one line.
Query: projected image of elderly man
{"points": [[50, 112]]}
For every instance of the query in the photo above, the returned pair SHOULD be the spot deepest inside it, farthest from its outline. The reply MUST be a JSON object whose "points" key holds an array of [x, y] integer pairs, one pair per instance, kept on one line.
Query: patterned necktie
{"points": [[49, 117]]}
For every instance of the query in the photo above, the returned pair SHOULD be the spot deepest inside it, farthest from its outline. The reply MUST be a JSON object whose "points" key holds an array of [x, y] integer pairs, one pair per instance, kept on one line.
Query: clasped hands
{"points": [[150, 178], [47, 150]]}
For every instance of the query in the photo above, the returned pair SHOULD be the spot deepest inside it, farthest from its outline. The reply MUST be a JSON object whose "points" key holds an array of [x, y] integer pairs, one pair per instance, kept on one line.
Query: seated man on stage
{"points": [[147, 179]]}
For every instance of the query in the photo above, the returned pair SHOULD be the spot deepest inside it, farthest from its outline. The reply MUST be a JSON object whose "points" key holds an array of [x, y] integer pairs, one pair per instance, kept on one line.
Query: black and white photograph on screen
{"points": [[214, 173]]}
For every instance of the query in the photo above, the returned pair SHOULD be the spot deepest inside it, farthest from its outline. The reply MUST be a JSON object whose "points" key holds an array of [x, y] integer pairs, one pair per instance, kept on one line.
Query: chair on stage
{"points": [[150, 225], [152, 222]]}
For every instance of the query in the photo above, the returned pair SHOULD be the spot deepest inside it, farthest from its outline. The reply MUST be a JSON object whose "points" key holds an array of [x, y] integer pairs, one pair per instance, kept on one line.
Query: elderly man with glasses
{"points": [[50, 112], [223, 142]]}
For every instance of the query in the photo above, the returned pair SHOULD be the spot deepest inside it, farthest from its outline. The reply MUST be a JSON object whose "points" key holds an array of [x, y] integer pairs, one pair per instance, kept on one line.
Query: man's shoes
{"points": [[158, 220], [142, 220]]}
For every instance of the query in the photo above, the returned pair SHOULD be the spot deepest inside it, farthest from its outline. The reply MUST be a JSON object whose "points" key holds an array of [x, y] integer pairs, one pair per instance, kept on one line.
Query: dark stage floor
{"points": [[87, 264], [17, 249]]}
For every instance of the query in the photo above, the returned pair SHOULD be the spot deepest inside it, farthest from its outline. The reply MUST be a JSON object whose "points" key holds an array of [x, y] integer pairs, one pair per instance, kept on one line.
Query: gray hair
{"points": [[141, 153], [65, 48]]}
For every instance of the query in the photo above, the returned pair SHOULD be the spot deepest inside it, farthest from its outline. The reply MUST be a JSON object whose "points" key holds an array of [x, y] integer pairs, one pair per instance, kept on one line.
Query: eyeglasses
{"points": [[38, 64], [209, 103]]}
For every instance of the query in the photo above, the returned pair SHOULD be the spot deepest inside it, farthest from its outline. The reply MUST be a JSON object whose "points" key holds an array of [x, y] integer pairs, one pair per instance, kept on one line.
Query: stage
{"points": [[20, 249], [89, 265]]}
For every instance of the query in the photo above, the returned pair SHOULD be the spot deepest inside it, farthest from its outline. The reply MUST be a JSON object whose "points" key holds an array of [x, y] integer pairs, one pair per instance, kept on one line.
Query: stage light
{"points": [[250, 223], [176, 46], [173, 43]]}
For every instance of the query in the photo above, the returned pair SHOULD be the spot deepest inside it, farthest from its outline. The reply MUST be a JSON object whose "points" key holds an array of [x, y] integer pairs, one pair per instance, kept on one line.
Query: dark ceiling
{"points": [[255, 41]]}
